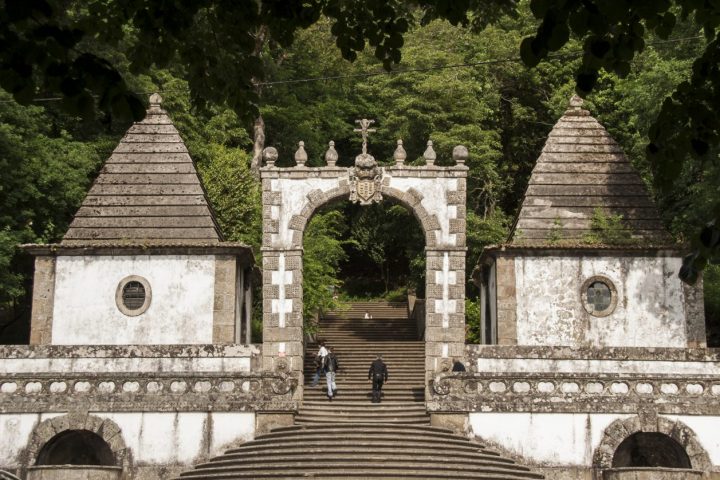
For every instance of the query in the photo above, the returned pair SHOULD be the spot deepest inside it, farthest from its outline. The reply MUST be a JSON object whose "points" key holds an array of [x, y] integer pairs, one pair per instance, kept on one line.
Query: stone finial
{"points": [[301, 155], [460, 154], [575, 107], [270, 155], [429, 154], [576, 101], [400, 154], [331, 156]]}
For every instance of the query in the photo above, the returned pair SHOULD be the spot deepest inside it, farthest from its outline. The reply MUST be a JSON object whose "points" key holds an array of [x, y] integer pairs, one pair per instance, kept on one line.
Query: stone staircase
{"points": [[351, 438], [357, 341]]}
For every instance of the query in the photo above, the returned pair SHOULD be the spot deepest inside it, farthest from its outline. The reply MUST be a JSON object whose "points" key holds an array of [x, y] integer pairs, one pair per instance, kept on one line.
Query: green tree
{"points": [[323, 254]]}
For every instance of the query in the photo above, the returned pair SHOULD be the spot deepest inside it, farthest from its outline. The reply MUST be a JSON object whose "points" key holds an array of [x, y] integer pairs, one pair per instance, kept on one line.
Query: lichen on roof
{"points": [[581, 176]]}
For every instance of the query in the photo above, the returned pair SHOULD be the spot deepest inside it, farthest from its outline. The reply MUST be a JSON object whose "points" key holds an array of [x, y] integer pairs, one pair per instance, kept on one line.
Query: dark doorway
{"points": [[76, 447], [650, 449]]}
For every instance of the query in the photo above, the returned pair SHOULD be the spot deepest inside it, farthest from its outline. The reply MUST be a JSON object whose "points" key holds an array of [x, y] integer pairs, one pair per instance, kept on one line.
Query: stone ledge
{"points": [[159, 392], [563, 392], [130, 351], [475, 352]]}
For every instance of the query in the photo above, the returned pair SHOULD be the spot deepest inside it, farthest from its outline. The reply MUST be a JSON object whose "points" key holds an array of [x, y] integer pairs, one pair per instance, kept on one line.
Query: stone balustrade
{"points": [[572, 392], [184, 391]]}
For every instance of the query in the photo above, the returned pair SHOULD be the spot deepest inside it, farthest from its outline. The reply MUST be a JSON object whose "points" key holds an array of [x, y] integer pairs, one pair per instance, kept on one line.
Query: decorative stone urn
{"points": [[74, 472], [651, 473]]}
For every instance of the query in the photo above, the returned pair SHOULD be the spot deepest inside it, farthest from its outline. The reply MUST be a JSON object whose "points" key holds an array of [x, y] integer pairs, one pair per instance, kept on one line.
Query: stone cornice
{"points": [[240, 250]]}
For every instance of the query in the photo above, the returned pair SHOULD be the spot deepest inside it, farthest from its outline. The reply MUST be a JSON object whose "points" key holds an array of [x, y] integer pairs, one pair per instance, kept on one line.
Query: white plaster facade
{"points": [[160, 438], [570, 439], [649, 312], [181, 310]]}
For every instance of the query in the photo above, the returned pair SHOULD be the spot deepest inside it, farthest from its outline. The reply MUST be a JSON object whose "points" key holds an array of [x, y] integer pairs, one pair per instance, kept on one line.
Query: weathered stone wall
{"points": [[149, 446], [556, 408], [43, 301], [225, 299], [291, 196], [650, 309], [181, 308], [169, 406], [577, 445]]}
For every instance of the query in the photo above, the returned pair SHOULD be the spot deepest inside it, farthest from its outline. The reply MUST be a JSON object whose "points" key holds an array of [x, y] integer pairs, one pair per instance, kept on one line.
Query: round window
{"points": [[133, 295], [599, 296]]}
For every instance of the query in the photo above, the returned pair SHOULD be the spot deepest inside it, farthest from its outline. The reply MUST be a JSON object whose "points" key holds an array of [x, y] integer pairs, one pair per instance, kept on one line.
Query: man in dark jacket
{"points": [[378, 374]]}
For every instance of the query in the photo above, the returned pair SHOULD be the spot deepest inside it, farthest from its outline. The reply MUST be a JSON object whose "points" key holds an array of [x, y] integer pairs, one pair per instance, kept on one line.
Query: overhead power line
{"points": [[566, 55]]}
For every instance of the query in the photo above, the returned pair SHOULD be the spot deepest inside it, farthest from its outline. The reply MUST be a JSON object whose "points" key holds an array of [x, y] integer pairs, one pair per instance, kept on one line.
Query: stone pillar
{"points": [[224, 299], [444, 307], [506, 301], [282, 310], [43, 301], [695, 315]]}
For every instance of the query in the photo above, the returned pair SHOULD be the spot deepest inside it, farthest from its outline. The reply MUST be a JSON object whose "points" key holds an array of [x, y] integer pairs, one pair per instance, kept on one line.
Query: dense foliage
{"points": [[498, 108]]}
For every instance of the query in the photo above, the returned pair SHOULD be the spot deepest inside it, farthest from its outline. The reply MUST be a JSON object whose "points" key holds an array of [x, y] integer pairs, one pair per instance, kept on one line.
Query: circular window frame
{"points": [[119, 295], [613, 296]]}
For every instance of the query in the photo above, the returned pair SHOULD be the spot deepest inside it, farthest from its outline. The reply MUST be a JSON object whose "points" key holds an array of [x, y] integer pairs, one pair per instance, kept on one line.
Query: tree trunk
{"points": [[258, 146]]}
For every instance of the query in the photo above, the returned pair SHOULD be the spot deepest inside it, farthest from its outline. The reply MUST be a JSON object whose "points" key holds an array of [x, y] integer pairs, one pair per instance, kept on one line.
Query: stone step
{"points": [[409, 443], [349, 456], [359, 468], [340, 447]]}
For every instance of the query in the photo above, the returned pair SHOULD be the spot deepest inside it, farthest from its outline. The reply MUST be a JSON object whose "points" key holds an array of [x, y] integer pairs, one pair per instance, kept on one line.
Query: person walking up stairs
{"points": [[352, 438]]}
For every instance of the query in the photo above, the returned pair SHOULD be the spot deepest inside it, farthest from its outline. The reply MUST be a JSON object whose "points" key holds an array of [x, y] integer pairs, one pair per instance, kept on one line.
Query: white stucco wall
{"points": [[154, 438], [649, 312], [570, 439], [597, 366], [181, 310], [294, 198], [229, 363], [434, 191]]}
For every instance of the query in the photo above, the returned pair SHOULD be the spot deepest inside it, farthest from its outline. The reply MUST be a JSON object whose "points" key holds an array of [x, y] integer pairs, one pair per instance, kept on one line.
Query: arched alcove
{"points": [[650, 449], [652, 439], [76, 447]]}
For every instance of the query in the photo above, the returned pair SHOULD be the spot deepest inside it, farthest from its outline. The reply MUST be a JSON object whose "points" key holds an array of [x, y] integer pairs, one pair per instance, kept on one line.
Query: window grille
{"points": [[133, 295]]}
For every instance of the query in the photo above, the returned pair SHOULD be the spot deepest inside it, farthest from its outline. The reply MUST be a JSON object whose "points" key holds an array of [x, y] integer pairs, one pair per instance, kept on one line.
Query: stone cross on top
{"points": [[364, 130]]}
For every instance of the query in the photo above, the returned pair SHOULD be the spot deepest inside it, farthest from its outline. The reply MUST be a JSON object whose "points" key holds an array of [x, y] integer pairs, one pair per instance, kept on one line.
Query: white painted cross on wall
{"points": [[281, 305], [445, 306]]}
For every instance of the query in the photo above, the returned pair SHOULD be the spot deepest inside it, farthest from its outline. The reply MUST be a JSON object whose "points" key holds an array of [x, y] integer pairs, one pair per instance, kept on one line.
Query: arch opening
{"points": [[76, 447], [650, 449], [355, 253]]}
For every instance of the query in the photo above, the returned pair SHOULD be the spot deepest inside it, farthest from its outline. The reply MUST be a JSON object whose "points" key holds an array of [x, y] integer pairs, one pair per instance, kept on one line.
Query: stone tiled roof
{"points": [[148, 190], [582, 169]]}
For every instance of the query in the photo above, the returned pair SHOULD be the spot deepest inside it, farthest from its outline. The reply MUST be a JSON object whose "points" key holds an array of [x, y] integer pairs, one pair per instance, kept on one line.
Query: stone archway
{"points": [[435, 195], [105, 429], [620, 430]]}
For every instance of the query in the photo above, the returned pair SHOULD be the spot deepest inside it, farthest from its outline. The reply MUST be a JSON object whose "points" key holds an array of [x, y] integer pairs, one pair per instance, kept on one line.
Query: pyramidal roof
{"points": [[147, 192], [581, 171]]}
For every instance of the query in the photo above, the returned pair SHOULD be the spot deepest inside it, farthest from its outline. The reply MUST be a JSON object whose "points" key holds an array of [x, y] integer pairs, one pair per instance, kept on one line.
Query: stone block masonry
{"points": [[224, 300], [435, 195], [43, 300]]}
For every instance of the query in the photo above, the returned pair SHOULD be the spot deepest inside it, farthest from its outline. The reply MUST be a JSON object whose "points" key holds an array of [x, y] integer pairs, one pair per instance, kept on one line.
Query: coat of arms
{"points": [[366, 175]]}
